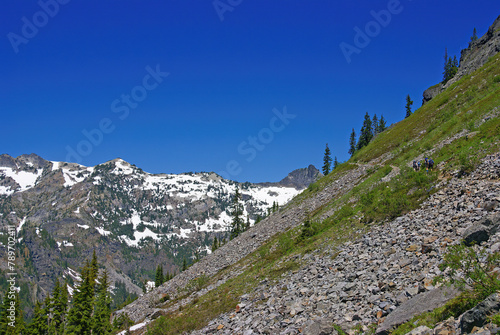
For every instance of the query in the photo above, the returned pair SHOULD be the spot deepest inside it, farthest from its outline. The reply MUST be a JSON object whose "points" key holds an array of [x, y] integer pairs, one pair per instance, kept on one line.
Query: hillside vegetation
{"points": [[457, 129]]}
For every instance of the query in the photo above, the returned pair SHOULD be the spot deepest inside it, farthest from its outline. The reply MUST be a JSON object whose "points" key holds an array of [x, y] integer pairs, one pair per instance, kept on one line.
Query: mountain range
{"points": [[133, 219]]}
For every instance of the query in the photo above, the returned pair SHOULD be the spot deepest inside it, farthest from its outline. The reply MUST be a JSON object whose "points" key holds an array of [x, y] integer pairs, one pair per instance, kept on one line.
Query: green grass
{"points": [[370, 201]]}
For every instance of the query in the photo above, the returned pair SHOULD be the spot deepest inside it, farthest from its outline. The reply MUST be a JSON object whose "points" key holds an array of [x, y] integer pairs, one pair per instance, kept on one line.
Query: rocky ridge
{"points": [[471, 59]]}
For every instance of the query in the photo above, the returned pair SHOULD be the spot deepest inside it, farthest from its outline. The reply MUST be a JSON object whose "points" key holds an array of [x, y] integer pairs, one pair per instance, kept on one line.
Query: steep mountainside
{"points": [[358, 246], [134, 220]]}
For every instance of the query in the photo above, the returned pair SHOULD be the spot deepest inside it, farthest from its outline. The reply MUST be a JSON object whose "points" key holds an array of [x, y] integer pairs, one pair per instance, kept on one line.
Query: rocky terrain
{"points": [[370, 278]]}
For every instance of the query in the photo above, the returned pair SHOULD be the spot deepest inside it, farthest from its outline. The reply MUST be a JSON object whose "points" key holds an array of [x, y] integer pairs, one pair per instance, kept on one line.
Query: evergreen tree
{"points": [[375, 125], [39, 323], [474, 36], [446, 72], [247, 224], [366, 134], [11, 315], [327, 161], [102, 309], [55, 313], [184, 264], [335, 163], [409, 102], [94, 269], [62, 307], [381, 125], [215, 245], [455, 66], [352, 143], [236, 213], [159, 276], [450, 67], [80, 313]]}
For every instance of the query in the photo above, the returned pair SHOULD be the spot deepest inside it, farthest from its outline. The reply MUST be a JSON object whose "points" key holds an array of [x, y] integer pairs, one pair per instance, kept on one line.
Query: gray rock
{"points": [[319, 327], [476, 234], [477, 316], [422, 330], [419, 304]]}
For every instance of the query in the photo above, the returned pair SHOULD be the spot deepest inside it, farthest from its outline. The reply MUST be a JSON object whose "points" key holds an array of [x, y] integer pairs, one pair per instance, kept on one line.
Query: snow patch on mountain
{"points": [[25, 179]]}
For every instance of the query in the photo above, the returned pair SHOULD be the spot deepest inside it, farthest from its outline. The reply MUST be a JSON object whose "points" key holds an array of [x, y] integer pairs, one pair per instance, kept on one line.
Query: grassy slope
{"points": [[462, 106]]}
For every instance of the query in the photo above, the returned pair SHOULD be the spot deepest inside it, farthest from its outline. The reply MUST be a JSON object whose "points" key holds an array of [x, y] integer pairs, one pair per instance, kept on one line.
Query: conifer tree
{"points": [[236, 213], [62, 307], [9, 326], [247, 223], [375, 125], [102, 309], [335, 163], [450, 67], [327, 161], [474, 35], [94, 269], [409, 102], [159, 276], [184, 264], [366, 134], [39, 323], [80, 313], [215, 245], [381, 125], [352, 143], [446, 72], [56, 314]]}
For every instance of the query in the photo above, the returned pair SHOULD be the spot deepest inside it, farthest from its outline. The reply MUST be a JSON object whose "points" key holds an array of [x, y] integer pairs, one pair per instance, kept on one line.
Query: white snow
{"points": [[21, 224], [84, 226], [75, 275], [70, 290], [122, 167], [77, 211], [55, 165], [137, 326], [102, 231], [6, 190], [25, 179], [139, 236]]}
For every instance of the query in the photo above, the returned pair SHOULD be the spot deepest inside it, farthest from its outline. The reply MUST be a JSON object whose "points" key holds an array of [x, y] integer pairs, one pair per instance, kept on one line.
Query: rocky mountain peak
{"points": [[301, 178]]}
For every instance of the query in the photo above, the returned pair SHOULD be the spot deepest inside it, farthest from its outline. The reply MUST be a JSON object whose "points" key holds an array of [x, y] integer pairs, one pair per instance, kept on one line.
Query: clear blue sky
{"points": [[85, 66]]}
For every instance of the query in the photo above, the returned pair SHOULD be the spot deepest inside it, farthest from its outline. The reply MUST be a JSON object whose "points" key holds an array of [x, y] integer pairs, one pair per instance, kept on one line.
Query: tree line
{"points": [[87, 312]]}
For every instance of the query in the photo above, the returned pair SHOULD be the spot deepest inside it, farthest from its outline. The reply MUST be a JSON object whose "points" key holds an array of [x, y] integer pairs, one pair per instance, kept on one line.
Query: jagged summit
{"points": [[299, 178]]}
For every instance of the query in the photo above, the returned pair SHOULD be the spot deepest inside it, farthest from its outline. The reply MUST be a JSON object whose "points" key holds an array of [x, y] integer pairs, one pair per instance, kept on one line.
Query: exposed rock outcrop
{"points": [[471, 59]]}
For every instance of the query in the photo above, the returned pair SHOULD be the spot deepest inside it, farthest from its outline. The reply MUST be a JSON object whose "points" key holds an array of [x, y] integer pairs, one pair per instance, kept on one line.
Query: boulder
{"points": [[419, 304], [477, 316], [319, 327], [476, 234]]}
